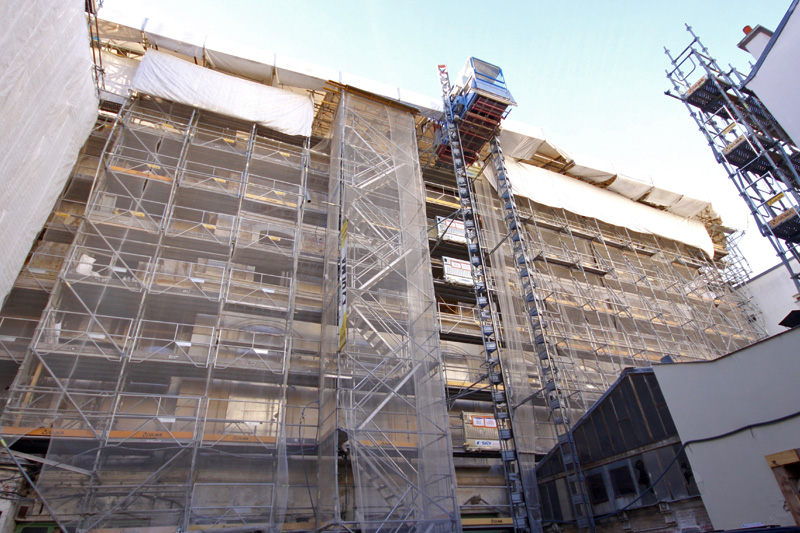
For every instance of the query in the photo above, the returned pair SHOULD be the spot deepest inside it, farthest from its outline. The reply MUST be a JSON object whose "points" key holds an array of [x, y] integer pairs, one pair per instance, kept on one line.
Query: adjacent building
{"points": [[690, 446]]}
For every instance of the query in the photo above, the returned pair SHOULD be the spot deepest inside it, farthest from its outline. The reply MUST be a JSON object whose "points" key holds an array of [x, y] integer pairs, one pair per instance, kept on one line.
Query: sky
{"points": [[591, 74]]}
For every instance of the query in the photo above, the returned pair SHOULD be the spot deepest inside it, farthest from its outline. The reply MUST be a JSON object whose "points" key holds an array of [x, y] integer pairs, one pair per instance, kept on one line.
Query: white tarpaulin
{"points": [[556, 190], [118, 73], [521, 141], [628, 187], [169, 77], [48, 105]]}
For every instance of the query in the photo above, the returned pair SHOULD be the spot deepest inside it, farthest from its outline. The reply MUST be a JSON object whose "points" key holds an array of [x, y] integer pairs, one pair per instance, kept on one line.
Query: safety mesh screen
{"points": [[382, 397], [160, 368]]}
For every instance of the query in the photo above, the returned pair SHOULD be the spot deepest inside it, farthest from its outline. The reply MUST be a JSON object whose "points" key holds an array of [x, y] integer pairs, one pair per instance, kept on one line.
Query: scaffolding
{"points": [[175, 333], [23, 307], [159, 370], [759, 157], [479, 118], [608, 298], [382, 402], [614, 299], [602, 299]]}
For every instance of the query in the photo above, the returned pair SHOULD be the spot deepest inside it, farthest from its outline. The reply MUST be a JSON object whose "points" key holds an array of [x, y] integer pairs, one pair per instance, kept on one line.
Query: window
{"points": [[596, 486], [622, 482]]}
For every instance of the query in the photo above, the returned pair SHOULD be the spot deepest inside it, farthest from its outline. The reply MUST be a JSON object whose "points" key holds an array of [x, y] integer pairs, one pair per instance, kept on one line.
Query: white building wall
{"points": [[778, 79], [751, 386], [775, 294]]}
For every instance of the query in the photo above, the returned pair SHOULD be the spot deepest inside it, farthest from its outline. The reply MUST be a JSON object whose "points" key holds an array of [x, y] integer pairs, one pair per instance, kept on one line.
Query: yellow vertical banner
{"points": [[343, 285]]}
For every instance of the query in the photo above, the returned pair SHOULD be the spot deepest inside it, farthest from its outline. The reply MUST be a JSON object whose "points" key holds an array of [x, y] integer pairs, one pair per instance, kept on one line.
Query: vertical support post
{"points": [[748, 142]]}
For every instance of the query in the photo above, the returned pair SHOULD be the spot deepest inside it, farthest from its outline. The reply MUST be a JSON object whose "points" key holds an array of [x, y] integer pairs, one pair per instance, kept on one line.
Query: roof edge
{"points": [[775, 37]]}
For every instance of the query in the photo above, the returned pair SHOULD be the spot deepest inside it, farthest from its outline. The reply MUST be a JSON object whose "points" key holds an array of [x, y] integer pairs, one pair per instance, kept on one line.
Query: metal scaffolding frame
{"points": [[382, 405], [611, 298], [627, 300], [185, 372], [759, 157], [602, 299], [23, 308], [162, 354], [645, 297]]}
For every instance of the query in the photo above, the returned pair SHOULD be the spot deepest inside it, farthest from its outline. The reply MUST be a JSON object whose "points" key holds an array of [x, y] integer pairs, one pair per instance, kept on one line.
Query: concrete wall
{"points": [[707, 399], [774, 293], [12, 482]]}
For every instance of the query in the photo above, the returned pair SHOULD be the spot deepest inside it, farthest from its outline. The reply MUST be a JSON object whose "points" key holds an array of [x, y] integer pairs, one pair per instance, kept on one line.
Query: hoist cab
{"points": [[480, 100], [480, 80]]}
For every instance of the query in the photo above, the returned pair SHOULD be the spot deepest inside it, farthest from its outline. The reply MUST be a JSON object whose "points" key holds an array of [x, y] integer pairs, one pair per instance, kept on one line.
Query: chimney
{"points": [[755, 40]]}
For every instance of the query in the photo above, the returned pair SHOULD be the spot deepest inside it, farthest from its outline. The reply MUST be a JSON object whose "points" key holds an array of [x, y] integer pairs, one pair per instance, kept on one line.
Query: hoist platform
{"points": [[480, 100]]}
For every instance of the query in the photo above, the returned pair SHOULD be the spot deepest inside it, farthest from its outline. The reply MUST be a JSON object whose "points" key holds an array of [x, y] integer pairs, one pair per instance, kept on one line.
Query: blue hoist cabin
{"points": [[480, 101]]}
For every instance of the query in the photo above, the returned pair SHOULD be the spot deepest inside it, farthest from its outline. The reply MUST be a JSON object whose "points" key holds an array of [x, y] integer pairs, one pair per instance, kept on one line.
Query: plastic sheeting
{"points": [[556, 190], [169, 77], [382, 389], [118, 74], [521, 141], [631, 188], [48, 103]]}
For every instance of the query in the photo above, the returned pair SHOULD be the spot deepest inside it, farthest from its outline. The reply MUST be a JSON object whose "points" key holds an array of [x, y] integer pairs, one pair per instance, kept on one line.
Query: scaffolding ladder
{"points": [[758, 155], [487, 316], [554, 392]]}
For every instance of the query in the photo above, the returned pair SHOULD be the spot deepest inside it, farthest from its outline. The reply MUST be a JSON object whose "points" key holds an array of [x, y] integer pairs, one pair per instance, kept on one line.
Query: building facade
{"points": [[742, 449], [265, 318]]}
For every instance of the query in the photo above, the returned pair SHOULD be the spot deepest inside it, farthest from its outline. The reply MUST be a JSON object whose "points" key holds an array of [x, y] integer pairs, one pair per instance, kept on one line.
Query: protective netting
{"points": [[382, 394], [161, 366], [612, 299], [176, 367]]}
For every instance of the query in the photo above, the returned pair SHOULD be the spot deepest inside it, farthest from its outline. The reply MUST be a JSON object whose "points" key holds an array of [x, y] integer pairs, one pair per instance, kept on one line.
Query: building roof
{"points": [[528, 144], [752, 34], [772, 41]]}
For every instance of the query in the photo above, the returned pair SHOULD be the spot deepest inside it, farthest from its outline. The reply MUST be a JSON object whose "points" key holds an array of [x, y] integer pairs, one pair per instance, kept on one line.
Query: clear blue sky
{"points": [[590, 73]]}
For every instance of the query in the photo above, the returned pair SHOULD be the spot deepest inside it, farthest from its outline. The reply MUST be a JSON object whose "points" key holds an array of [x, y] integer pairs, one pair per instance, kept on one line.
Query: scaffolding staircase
{"points": [[382, 405], [524, 513], [748, 141]]}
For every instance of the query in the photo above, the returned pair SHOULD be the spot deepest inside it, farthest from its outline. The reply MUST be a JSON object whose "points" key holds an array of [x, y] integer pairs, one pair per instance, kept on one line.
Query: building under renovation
{"points": [[268, 296]]}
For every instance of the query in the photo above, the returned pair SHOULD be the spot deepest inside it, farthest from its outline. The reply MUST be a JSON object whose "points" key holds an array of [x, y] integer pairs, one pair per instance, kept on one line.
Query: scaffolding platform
{"points": [[743, 155], [786, 226], [794, 160], [705, 94], [759, 157]]}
